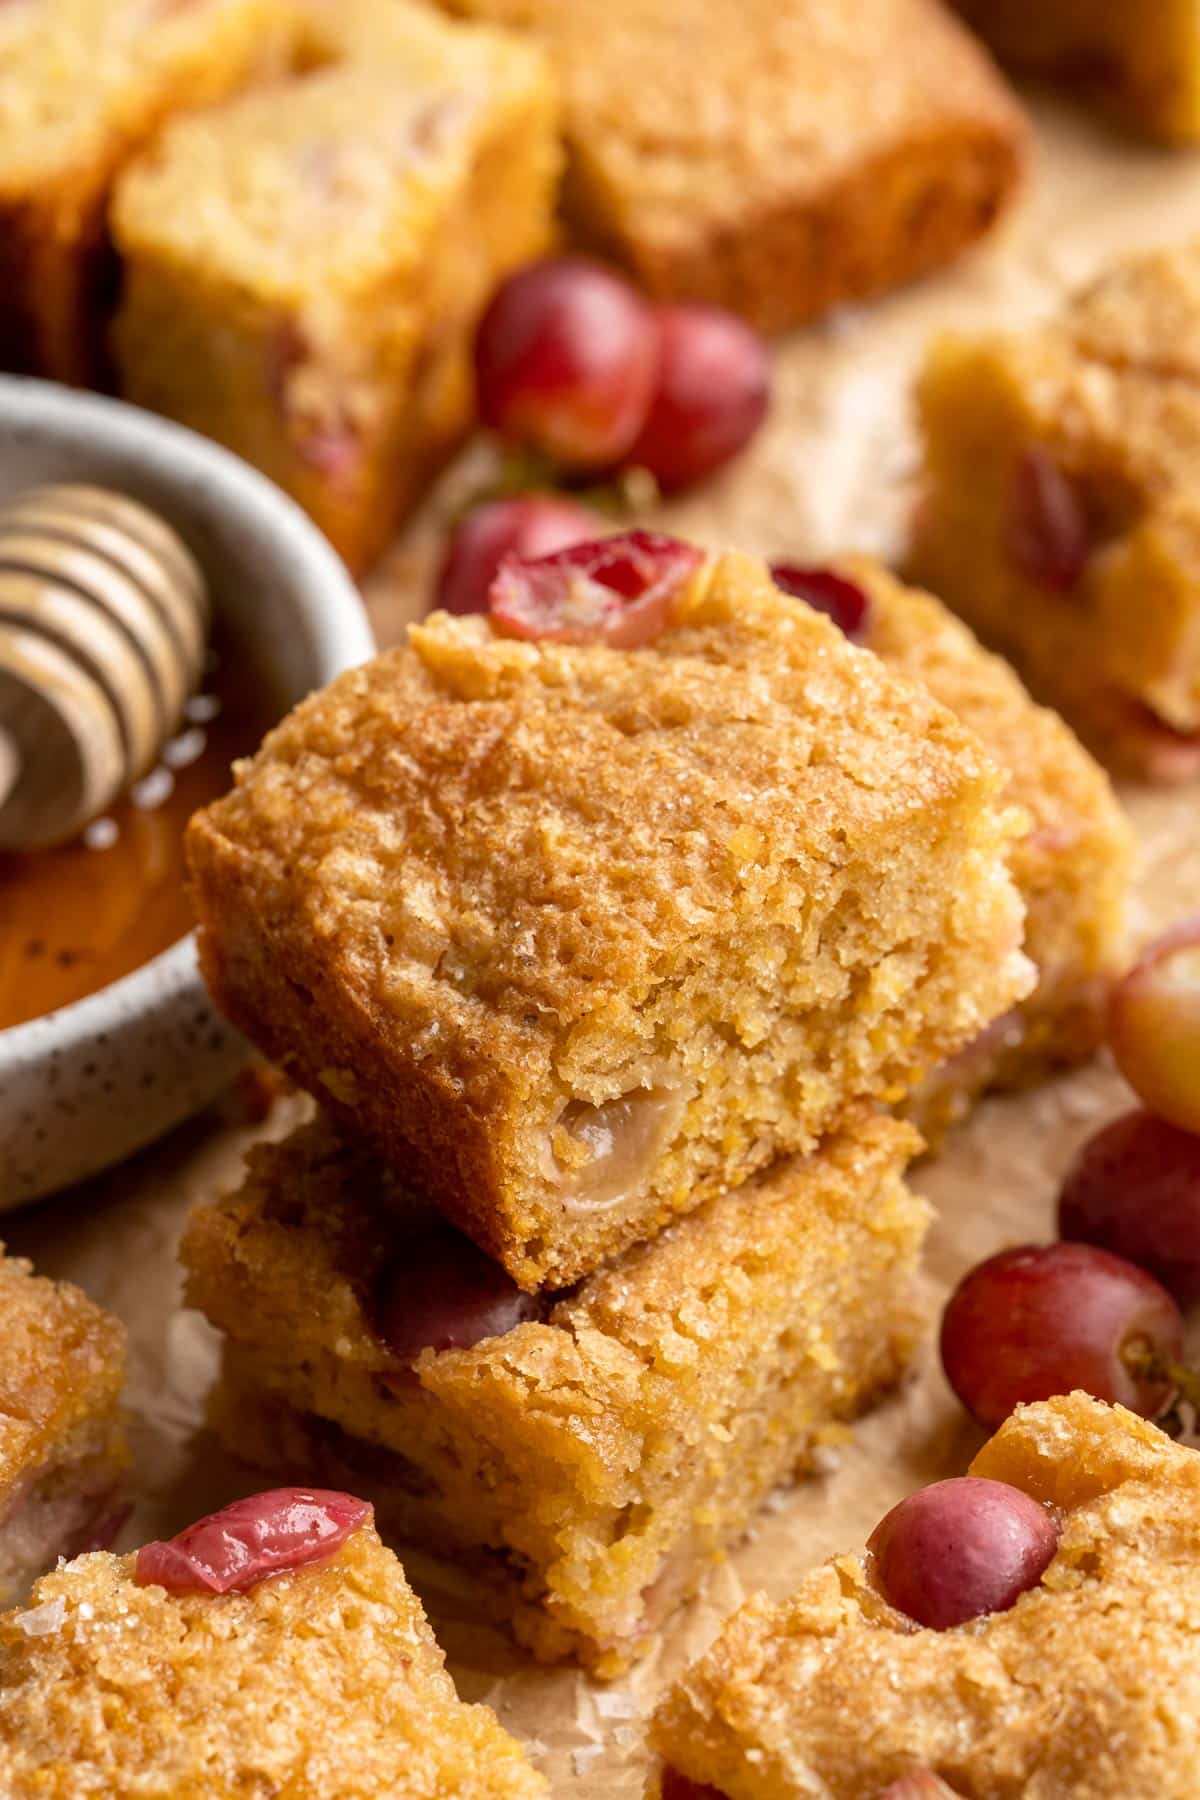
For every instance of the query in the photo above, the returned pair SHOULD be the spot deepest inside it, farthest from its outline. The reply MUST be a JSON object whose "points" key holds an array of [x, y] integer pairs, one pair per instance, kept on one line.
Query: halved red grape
{"points": [[231, 1551], [1154, 1026], [710, 396], [566, 359], [1046, 1319], [445, 1294], [621, 591], [526, 525], [1134, 1189], [839, 598], [1048, 539], [959, 1549]]}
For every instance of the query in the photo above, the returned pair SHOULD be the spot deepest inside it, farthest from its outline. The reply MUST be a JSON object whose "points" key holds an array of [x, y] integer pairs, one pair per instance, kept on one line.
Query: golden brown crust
{"points": [[1088, 1689], [1109, 391], [323, 1684], [786, 155], [479, 890], [599, 1459]]}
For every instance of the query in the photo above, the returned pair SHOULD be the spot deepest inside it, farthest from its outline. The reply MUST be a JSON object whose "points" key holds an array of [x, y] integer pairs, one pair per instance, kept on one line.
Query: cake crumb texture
{"points": [[322, 1684]]}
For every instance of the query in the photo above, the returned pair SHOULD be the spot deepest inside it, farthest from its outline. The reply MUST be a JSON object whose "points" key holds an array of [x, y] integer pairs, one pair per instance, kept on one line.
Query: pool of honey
{"points": [[75, 918]]}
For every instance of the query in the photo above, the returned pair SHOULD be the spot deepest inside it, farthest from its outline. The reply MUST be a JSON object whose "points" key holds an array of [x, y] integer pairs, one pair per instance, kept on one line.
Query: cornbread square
{"points": [[305, 266], [593, 1461], [1146, 66], [775, 156], [83, 85], [1088, 1689], [1072, 867], [63, 1455], [579, 937], [1061, 515], [322, 1683]]}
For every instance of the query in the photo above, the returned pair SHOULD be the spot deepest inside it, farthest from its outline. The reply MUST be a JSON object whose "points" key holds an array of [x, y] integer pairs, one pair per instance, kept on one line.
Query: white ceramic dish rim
{"points": [[336, 624]]}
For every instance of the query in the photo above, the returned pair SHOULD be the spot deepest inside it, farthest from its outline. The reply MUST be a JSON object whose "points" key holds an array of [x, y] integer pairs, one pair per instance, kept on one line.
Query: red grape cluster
{"points": [[1101, 1309], [572, 363]]}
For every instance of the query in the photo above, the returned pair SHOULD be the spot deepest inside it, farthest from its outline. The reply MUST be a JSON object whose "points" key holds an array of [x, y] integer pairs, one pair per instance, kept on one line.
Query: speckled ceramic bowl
{"points": [[85, 1086]]}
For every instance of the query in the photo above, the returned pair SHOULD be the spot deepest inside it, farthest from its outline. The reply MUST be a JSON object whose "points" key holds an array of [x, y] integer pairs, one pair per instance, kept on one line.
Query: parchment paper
{"points": [[832, 471]]}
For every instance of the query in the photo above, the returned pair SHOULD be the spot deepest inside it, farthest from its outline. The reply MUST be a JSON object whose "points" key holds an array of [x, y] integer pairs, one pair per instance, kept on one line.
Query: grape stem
{"points": [[1149, 1364]]}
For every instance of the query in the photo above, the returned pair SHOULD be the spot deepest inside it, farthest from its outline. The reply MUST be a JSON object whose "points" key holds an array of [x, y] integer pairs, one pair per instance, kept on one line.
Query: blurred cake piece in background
{"points": [[83, 84], [775, 156], [1060, 515], [305, 266], [1144, 63]]}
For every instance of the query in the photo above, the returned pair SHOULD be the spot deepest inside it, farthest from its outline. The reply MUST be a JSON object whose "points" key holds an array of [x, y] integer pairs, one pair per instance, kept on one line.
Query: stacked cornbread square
{"points": [[304, 266], [83, 85], [1060, 515], [594, 1452], [775, 156], [604, 954]]}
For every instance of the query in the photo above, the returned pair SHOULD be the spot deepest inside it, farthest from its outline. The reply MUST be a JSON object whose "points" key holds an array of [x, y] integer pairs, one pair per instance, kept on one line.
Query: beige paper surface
{"points": [[832, 471]]}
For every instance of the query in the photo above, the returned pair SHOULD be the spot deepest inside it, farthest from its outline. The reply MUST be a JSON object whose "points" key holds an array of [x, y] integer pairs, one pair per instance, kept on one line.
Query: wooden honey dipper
{"points": [[104, 616]]}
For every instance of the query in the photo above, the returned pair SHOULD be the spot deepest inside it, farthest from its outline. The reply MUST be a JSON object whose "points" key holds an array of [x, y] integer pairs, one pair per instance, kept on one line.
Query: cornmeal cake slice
{"points": [[83, 85], [273, 1648], [1061, 515], [1145, 65], [1088, 1688], [590, 1454], [304, 267], [775, 156], [580, 936], [63, 1456], [1072, 867]]}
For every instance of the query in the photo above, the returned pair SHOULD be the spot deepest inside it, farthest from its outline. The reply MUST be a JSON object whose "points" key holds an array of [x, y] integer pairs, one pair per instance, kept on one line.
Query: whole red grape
{"points": [[620, 591], [839, 598], [961, 1548], [710, 397], [1154, 1026], [566, 359], [525, 525], [1047, 1319], [1134, 1189]]}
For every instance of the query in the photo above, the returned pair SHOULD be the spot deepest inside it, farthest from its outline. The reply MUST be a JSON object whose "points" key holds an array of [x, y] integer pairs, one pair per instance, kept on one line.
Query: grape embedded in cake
{"points": [[1060, 516], [1072, 866], [274, 1647], [305, 266], [579, 936], [776, 156], [1087, 1688], [588, 1455], [63, 1455]]}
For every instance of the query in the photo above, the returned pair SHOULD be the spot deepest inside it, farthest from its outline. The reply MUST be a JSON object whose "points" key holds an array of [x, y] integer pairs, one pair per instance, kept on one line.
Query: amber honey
{"points": [[75, 918]]}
